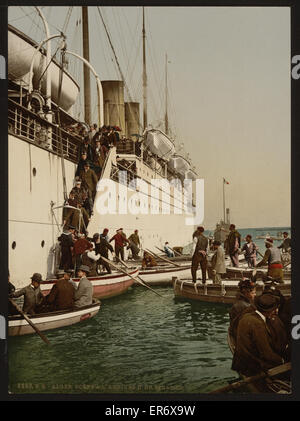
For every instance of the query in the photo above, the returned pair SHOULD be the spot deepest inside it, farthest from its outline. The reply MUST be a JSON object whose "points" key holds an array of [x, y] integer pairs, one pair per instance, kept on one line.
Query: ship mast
{"points": [[144, 76], [166, 113], [86, 70]]}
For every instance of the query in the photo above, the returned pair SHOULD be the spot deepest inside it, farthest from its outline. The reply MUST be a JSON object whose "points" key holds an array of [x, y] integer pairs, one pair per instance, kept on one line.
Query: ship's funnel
{"points": [[132, 118], [114, 107]]}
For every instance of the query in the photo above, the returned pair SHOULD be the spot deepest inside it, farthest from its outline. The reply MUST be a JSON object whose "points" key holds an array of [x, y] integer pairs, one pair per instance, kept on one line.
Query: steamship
{"points": [[43, 158]]}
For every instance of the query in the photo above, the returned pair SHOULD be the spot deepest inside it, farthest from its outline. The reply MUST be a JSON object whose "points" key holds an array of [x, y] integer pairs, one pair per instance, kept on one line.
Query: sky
{"points": [[228, 92]]}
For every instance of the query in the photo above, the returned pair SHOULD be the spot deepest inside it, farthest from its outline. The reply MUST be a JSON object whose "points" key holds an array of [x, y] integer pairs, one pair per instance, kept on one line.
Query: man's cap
{"points": [[266, 302], [86, 164], [269, 241], [71, 227], [232, 226], [105, 230], [36, 277], [84, 268], [60, 272]]}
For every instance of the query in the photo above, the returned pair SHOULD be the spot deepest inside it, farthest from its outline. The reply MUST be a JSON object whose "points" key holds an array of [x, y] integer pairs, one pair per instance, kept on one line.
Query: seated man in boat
{"points": [[61, 296], [33, 297], [148, 260], [169, 252], [250, 250], [244, 300], [272, 258], [84, 292], [254, 350]]}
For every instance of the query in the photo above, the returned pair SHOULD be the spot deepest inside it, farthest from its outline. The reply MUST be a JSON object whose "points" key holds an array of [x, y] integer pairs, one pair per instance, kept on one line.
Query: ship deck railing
{"points": [[35, 129]]}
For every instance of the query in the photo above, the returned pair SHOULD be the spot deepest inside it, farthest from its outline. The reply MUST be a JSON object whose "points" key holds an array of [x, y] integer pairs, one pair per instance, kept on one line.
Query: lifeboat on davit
{"points": [[159, 143], [191, 174], [179, 164], [21, 50]]}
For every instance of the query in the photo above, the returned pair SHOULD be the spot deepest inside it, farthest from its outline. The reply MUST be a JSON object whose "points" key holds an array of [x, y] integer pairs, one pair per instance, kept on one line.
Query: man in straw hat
{"points": [[272, 258]]}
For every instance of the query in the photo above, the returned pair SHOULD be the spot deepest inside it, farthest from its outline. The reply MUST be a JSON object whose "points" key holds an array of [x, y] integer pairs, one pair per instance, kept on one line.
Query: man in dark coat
{"points": [[200, 255], [244, 299], [233, 244], [85, 147], [61, 296], [254, 350], [66, 244], [33, 297]]}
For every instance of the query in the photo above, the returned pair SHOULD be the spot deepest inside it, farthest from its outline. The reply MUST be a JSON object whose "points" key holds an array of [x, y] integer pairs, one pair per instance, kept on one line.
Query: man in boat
{"points": [[233, 244], [272, 258], [200, 256], [250, 250], [244, 300], [102, 244], [33, 297], [66, 245], [134, 244], [62, 294], [120, 242], [84, 292], [254, 350], [169, 252], [148, 260], [218, 262], [286, 244], [89, 180], [80, 246], [92, 259]]}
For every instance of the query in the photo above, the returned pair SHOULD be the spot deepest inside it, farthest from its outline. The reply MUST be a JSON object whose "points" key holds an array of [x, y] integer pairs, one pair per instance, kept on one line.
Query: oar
{"points": [[30, 322], [163, 258], [138, 277], [270, 373], [126, 273]]}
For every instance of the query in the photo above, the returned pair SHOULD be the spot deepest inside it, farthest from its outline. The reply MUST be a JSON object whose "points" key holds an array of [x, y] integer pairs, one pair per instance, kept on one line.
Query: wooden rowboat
{"points": [[105, 286], [210, 292], [162, 274], [245, 272], [273, 385], [17, 325]]}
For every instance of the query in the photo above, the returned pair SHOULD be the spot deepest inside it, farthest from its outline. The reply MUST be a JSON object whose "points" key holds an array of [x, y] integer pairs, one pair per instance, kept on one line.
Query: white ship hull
{"points": [[33, 229]]}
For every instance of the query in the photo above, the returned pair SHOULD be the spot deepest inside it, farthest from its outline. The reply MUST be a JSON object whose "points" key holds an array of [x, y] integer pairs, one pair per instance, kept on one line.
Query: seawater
{"points": [[137, 343]]}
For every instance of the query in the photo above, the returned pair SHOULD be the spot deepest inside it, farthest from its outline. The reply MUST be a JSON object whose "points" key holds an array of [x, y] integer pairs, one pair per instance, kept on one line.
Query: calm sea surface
{"points": [[137, 343]]}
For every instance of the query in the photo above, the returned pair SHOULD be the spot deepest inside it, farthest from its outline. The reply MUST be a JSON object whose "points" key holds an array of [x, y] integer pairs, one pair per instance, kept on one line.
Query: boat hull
{"points": [[163, 276], [233, 273], [105, 286], [18, 326], [223, 294]]}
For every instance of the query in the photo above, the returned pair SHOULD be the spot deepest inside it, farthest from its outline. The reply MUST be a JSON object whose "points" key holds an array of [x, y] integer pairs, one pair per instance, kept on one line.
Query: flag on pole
{"points": [[225, 182]]}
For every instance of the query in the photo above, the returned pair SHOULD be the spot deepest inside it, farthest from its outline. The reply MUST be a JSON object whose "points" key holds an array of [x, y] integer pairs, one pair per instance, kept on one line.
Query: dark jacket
{"points": [[32, 298], [202, 243], [231, 241], [254, 352], [241, 304], [61, 296]]}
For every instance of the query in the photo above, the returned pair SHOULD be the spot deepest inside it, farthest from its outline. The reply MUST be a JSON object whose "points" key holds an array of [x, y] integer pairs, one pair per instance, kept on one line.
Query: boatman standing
{"points": [[200, 256], [233, 244], [218, 262], [272, 258], [134, 244], [286, 244], [250, 250], [120, 242]]}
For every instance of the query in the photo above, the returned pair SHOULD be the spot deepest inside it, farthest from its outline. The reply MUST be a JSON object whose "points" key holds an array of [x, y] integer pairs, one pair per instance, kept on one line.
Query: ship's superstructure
{"points": [[142, 184]]}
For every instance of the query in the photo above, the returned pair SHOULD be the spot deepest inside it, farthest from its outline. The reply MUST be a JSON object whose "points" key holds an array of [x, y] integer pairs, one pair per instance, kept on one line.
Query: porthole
{"points": [[42, 243], [34, 171], [13, 245]]}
